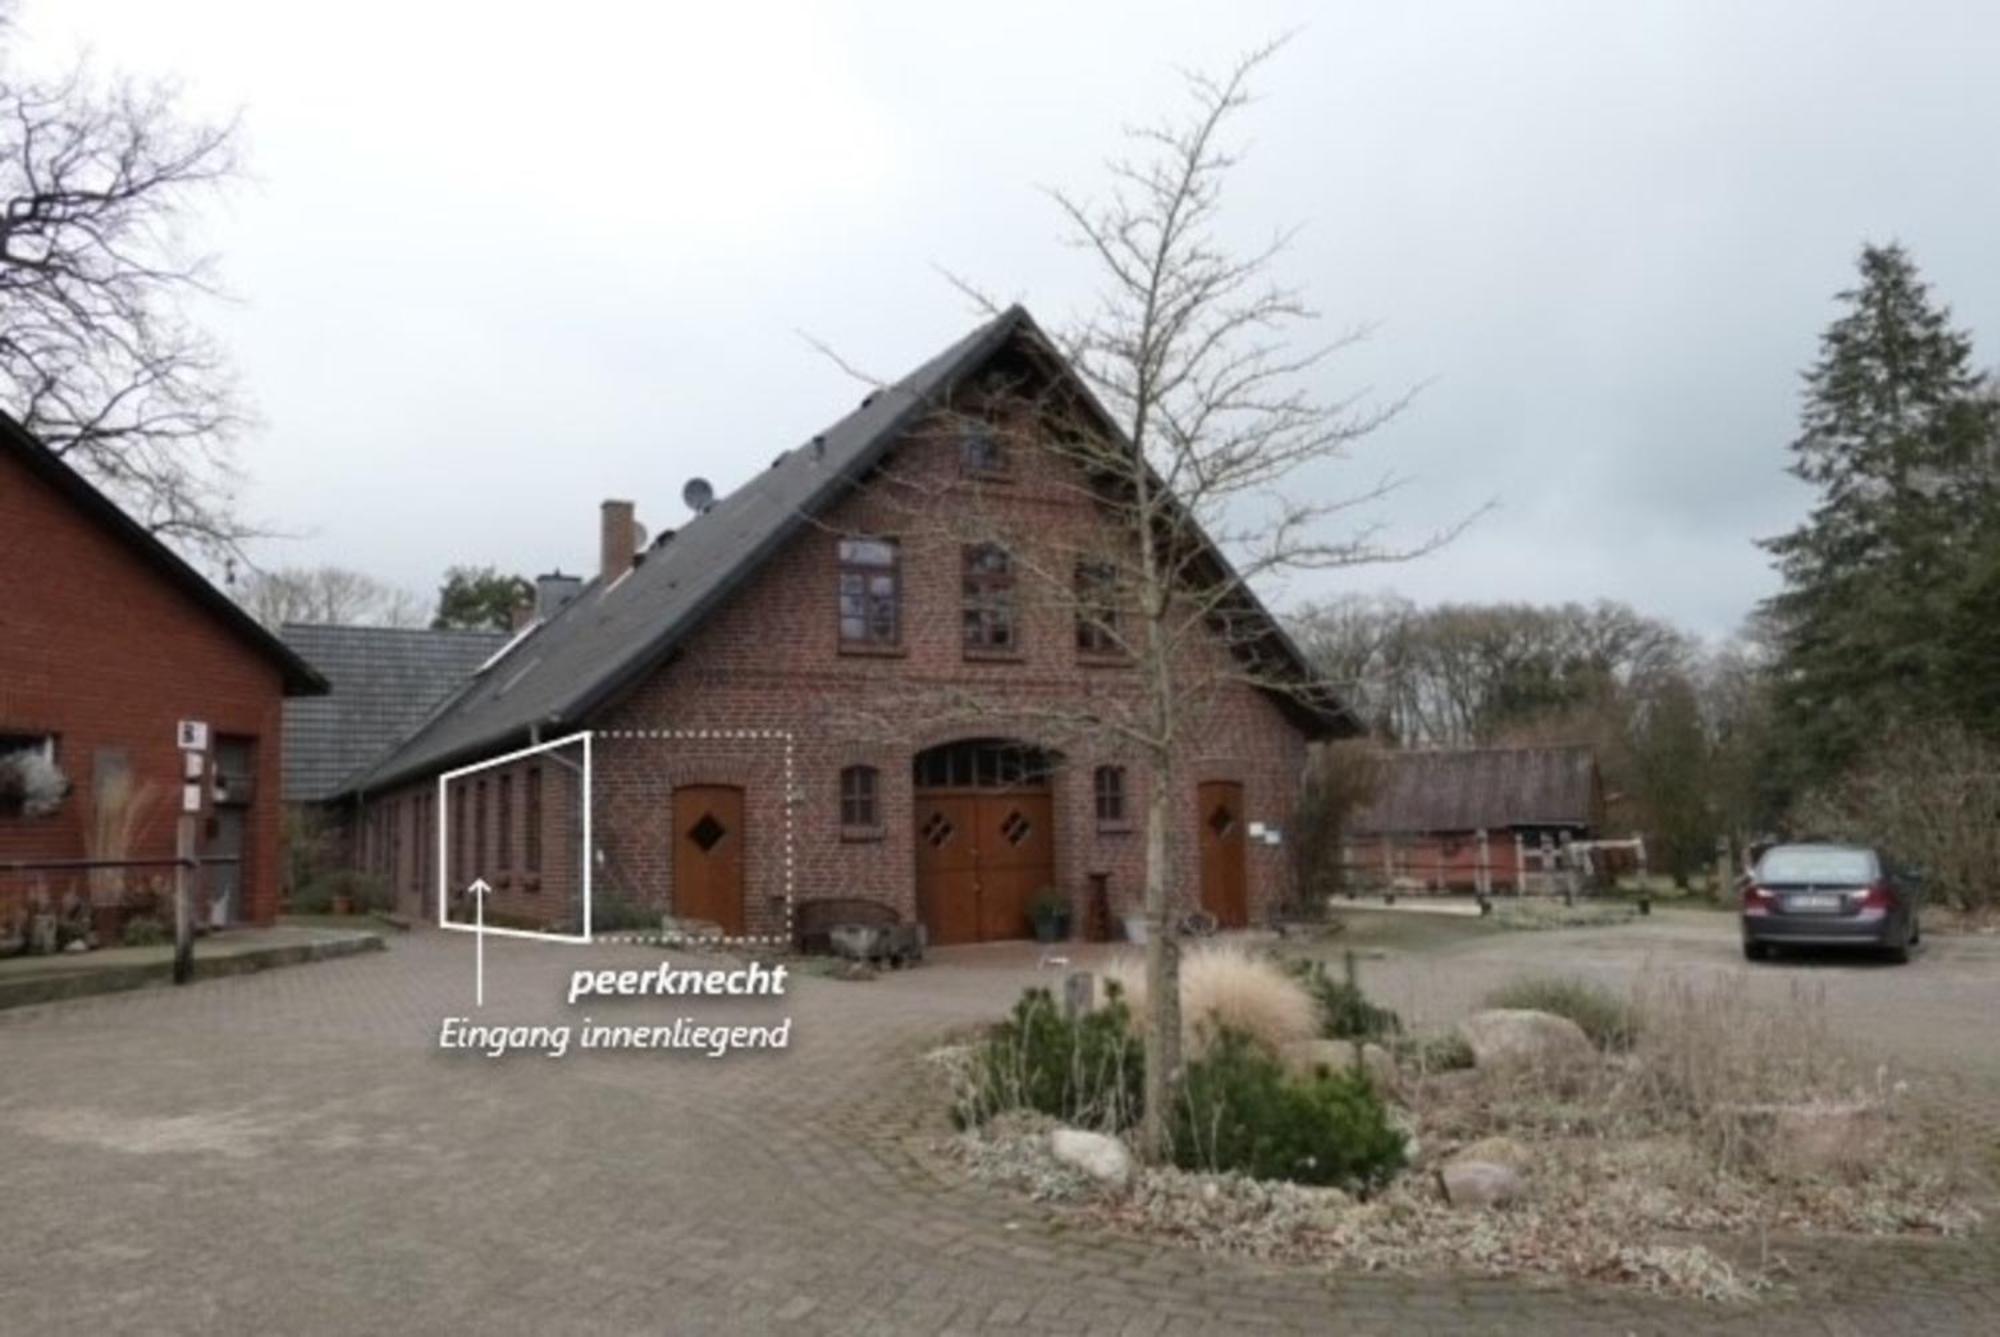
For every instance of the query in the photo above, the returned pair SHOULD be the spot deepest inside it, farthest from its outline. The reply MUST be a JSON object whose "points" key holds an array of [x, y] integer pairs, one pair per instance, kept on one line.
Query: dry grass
{"points": [[118, 813], [1225, 985]]}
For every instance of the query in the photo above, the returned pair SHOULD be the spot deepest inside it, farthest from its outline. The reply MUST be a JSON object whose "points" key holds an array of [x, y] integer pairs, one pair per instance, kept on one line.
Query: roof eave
{"points": [[299, 677]]}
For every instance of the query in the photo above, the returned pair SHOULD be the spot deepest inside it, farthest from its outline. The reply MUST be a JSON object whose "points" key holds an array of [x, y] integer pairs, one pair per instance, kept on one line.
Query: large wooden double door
{"points": [[981, 858]]}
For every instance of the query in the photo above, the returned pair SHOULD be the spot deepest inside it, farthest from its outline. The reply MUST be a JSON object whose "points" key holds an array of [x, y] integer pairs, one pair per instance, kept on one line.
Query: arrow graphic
{"points": [[478, 891]]}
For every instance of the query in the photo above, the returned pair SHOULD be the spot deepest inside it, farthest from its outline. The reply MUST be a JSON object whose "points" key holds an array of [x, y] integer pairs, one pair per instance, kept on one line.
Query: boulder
{"points": [[1103, 1158], [1479, 1184], [1518, 1037], [1498, 1151]]}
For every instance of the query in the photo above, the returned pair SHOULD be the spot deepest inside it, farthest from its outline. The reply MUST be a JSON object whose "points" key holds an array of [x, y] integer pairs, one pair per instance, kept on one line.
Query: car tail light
{"points": [[1756, 898], [1877, 897]]}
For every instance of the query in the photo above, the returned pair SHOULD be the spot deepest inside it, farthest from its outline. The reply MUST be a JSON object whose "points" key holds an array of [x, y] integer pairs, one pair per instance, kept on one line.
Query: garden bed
{"points": [[1681, 1147]]}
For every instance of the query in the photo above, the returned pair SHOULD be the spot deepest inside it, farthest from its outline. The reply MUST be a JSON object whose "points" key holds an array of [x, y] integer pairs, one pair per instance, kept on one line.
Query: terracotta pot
{"points": [[343, 905]]}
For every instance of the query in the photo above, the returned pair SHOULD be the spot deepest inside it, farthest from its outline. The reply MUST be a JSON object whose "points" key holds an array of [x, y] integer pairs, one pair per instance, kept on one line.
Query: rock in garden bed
{"points": [[1507, 1037]]}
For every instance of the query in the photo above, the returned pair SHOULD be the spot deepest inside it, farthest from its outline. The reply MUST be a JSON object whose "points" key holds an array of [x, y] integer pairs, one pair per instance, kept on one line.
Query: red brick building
{"points": [[107, 641], [755, 679]]}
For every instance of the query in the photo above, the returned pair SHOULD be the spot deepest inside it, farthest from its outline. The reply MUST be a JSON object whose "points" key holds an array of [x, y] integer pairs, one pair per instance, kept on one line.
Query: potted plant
{"points": [[1050, 912], [31, 784]]}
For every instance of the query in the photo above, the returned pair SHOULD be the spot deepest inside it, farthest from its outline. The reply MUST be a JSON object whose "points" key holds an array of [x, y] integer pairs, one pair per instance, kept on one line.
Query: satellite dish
{"points": [[638, 537], [698, 495]]}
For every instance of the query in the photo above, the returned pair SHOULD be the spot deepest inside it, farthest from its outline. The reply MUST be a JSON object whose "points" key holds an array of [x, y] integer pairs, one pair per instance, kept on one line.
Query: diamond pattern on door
{"points": [[937, 830], [1015, 827], [707, 833], [1221, 820]]}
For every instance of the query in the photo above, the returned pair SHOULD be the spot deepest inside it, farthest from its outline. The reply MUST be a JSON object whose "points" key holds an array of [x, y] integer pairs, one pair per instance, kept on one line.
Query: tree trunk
{"points": [[1163, 973]]}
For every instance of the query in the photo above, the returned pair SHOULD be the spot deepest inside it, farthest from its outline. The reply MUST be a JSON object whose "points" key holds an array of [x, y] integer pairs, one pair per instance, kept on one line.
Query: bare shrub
{"points": [[1227, 986], [1931, 795]]}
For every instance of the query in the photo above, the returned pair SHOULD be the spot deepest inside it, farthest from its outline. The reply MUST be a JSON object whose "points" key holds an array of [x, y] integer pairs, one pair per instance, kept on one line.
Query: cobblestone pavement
{"points": [[288, 1153]]}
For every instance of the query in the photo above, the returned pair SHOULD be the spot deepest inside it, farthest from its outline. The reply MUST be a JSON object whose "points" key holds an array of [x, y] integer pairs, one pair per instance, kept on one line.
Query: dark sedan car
{"points": [[1829, 896]]}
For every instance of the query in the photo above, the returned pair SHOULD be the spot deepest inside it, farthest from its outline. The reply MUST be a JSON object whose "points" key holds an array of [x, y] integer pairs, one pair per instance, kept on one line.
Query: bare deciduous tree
{"points": [[330, 594], [1194, 446], [97, 356]]}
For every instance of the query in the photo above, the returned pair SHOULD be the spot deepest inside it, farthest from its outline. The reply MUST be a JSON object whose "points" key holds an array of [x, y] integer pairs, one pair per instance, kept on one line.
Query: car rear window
{"points": [[1829, 867]]}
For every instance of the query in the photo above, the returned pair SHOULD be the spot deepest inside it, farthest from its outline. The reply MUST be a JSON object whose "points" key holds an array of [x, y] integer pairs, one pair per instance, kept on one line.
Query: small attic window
{"points": [[981, 452]]}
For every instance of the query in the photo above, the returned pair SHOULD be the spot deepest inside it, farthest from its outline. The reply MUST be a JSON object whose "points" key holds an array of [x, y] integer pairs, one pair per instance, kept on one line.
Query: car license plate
{"points": [[1813, 901]]}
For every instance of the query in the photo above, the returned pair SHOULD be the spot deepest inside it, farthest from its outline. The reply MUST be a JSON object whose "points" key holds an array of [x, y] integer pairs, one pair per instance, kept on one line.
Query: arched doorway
{"points": [[985, 836]]}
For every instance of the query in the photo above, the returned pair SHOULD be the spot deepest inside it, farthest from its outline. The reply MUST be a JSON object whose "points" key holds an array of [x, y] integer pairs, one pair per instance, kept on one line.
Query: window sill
{"points": [[980, 655], [869, 650], [988, 475], [1099, 659], [1115, 828], [862, 835]]}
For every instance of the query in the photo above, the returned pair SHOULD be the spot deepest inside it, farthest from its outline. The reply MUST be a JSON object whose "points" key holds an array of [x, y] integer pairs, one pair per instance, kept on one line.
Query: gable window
{"points": [[1109, 787], [871, 593], [534, 833], [860, 799], [1099, 633], [981, 452], [989, 600]]}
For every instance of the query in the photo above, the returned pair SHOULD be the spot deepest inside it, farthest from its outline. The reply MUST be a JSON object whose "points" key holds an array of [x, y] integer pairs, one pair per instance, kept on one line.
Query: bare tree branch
{"points": [[97, 358]]}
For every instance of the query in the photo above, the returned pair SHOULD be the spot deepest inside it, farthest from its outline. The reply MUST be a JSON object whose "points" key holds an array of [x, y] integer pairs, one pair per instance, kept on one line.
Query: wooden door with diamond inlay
{"points": [[980, 860], [708, 856]]}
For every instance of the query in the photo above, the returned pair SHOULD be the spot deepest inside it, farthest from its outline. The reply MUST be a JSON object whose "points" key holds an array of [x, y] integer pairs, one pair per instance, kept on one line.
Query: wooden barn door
{"points": [[1016, 860], [1224, 885], [708, 856], [948, 867], [985, 845]]}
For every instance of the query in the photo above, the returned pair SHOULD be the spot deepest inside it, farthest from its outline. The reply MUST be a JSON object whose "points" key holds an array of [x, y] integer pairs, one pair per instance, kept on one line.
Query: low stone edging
{"points": [[83, 983]]}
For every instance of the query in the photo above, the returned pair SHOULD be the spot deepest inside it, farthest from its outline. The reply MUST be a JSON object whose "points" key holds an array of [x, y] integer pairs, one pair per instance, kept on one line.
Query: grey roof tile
{"points": [[385, 682], [1467, 789], [603, 640]]}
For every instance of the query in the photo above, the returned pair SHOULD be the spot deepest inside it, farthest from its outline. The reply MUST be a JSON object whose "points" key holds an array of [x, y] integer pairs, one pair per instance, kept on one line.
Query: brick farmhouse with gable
{"points": [[108, 640], [773, 622]]}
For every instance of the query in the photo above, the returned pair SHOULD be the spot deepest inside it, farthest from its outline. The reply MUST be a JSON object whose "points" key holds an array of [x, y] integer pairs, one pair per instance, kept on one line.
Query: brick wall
{"points": [[99, 648], [771, 661]]}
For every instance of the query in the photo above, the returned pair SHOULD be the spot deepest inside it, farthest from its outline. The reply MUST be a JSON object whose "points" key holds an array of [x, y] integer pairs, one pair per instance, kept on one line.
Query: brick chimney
{"points": [[617, 540]]}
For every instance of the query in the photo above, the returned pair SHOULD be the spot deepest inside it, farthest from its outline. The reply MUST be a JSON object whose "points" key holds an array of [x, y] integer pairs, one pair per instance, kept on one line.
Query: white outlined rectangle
{"points": [[444, 846]]}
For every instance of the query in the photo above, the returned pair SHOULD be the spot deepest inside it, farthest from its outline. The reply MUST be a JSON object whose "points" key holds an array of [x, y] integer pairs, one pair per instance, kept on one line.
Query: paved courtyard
{"points": [[288, 1153]]}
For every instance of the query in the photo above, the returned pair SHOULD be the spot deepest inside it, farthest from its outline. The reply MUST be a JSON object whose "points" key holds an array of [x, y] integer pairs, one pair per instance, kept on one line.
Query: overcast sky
{"points": [[498, 263]]}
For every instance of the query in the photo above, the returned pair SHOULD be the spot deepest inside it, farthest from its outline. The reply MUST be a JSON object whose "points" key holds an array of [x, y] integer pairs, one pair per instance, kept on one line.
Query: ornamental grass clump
{"points": [[1225, 986]]}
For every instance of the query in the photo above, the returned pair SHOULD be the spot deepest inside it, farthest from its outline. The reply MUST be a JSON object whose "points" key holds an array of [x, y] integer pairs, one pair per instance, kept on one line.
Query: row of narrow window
{"points": [[389, 858], [871, 599], [860, 796]]}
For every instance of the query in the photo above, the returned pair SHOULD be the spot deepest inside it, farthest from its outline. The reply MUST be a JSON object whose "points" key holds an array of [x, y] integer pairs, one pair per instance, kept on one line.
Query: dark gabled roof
{"points": [[299, 676], [605, 639], [386, 681], [1490, 788]]}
